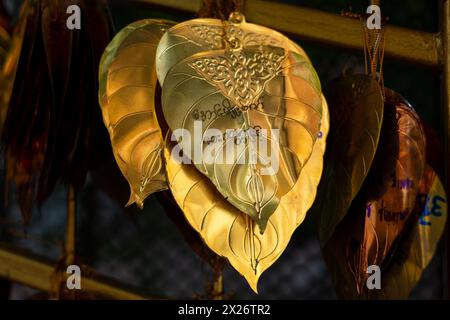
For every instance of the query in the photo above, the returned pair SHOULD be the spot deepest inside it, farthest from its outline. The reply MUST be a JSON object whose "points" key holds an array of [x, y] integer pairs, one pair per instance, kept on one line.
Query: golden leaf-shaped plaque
{"points": [[127, 92], [389, 192], [385, 225], [230, 232], [412, 255], [415, 253], [247, 117], [356, 112]]}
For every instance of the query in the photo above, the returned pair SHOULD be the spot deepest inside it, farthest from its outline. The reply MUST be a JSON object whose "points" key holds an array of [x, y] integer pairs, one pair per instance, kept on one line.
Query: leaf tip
{"points": [[252, 280], [253, 284], [134, 198]]}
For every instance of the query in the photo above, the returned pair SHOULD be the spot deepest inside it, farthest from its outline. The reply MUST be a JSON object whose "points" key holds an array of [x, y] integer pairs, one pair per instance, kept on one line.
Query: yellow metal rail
{"points": [[333, 29], [26, 268]]}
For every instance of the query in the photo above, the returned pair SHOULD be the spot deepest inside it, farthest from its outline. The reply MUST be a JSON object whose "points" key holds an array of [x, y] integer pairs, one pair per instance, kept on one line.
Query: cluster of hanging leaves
{"points": [[380, 200], [240, 214], [49, 133], [129, 96], [376, 190], [379, 218], [378, 185]]}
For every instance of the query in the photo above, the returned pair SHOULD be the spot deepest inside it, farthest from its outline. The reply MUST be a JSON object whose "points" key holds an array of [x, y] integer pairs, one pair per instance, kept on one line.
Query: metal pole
{"points": [[70, 227], [37, 272], [405, 44], [217, 285], [69, 244]]}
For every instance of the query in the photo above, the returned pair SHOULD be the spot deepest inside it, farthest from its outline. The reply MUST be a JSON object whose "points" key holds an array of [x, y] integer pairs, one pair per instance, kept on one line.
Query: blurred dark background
{"points": [[145, 250]]}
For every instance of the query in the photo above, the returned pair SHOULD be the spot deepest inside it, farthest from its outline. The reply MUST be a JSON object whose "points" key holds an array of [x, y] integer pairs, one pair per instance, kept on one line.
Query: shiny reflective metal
{"points": [[200, 35], [397, 218], [391, 187], [269, 86], [356, 115], [233, 234], [127, 92], [235, 75], [400, 162], [407, 269], [412, 255]]}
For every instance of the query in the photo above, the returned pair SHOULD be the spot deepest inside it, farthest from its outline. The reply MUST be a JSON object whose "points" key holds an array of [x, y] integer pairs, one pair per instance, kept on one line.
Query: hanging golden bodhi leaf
{"points": [[247, 117], [233, 234], [127, 92], [378, 227], [413, 253], [383, 211], [356, 112]]}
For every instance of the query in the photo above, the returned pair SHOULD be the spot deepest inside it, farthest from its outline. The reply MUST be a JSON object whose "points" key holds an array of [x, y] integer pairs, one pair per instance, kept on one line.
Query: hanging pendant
{"points": [[390, 190], [243, 78], [356, 115], [231, 88], [127, 94], [383, 227]]}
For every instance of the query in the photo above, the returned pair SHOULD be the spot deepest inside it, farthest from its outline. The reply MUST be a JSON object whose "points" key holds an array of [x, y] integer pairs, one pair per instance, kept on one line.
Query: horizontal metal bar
{"points": [[401, 43], [35, 272]]}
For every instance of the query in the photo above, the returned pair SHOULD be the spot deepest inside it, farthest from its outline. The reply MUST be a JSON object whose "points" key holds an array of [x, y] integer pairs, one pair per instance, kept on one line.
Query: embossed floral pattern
{"points": [[240, 75]]}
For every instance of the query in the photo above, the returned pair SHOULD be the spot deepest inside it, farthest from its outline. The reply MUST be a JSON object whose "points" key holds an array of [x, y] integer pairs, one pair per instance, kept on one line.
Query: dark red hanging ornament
{"points": [[50, 128]]}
